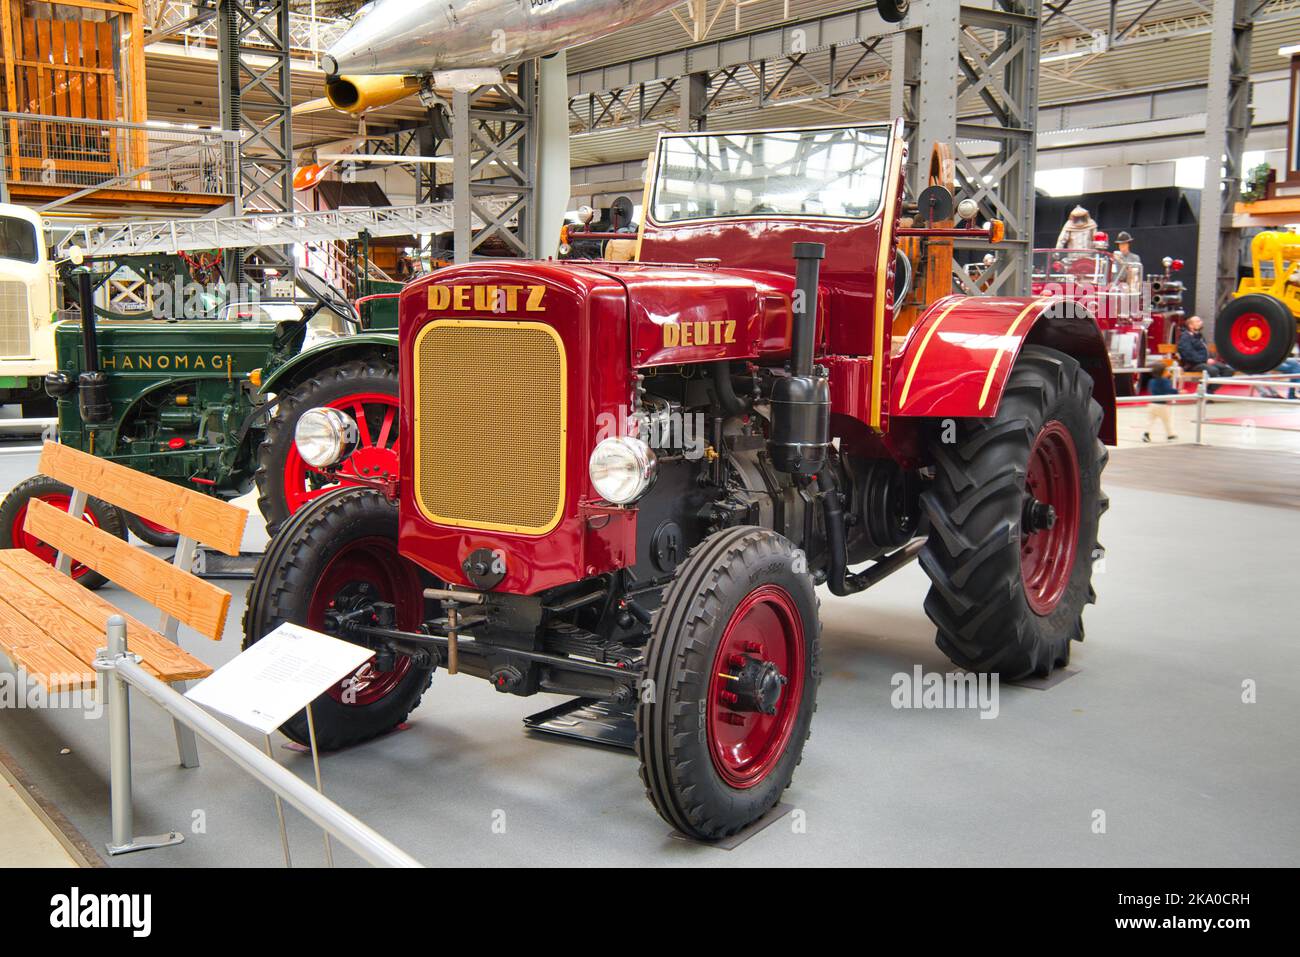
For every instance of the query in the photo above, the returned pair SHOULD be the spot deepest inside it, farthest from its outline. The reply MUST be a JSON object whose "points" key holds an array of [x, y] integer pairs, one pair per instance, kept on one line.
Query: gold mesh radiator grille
{"points": [[490, 424]]}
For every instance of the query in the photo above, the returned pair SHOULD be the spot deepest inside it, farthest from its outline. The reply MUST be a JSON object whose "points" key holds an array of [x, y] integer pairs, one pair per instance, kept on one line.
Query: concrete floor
{"points": [[1150, 729], [27, 841]]}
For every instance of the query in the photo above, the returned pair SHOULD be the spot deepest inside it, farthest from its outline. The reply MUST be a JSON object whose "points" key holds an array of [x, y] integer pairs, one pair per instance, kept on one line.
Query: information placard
{"points": [[276, 678]]}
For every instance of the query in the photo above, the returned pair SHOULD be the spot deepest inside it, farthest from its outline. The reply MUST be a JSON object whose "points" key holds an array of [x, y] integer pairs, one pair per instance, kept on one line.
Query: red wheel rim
{"points": [[23, 539], [371, 563], [376, 454], [745, 744], [1047, 555], [1250, 333]]}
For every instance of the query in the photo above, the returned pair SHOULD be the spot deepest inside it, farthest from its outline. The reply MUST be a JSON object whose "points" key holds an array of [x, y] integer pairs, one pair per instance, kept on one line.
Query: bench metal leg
{"points": [[186, 744], [76, 508], [118, 701]]}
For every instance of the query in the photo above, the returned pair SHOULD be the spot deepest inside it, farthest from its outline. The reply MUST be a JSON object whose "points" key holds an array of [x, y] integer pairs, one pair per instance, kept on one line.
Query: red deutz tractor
{"points": [[626, 481]]}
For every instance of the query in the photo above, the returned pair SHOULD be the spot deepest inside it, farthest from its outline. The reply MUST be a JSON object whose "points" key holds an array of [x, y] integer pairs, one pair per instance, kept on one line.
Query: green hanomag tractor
{"points": [[212, 404]]}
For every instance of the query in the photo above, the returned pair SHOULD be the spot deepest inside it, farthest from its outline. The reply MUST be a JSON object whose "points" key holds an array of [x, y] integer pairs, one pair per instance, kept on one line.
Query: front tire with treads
{"points": [[1013, 514], [733, 668], [340, 550]]}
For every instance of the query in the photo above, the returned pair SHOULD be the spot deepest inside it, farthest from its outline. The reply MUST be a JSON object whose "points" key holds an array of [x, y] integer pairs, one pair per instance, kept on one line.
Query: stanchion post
{"points": [[117, 697], [1200, 408]]}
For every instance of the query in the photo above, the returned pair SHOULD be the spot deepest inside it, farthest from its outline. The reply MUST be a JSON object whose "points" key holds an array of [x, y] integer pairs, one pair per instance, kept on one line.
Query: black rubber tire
{"points": [[977, 596], [148, 535], [106, 516], [329, 385], [1281, 327], [892, 11], [676, 767], [281, 591]]}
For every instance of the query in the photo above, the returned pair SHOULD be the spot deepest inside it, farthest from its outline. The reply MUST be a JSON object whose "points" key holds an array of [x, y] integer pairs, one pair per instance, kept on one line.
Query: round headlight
{"points": [[324, 436], [968, 209], [622, 469]]}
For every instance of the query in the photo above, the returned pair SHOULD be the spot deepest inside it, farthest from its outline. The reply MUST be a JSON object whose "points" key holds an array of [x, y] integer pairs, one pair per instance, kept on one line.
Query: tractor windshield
{"points": [[833, 173]]}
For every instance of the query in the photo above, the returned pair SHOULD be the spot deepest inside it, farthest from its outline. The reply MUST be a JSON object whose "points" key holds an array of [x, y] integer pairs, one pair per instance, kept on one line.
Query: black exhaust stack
{"points": [[92, 383], [801, 401]]}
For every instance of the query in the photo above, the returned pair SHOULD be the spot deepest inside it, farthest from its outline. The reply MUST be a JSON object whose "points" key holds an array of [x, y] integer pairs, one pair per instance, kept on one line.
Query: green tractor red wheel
{"points": [[366, 390], [1254, 333], [151, 533], [13, 516]]}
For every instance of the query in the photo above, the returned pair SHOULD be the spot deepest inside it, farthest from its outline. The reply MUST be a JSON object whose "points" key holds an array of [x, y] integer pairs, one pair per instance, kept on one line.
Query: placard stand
{"points": [[274, 679], [279, 804]]}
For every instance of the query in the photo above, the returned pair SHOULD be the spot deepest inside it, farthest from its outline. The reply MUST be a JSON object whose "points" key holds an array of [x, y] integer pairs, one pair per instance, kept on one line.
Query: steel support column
{"points": [[266, 150], [694, 98], [494, 164], [261, 167], [551, 177], [1227, 122], [935, 58], [991, 55]]}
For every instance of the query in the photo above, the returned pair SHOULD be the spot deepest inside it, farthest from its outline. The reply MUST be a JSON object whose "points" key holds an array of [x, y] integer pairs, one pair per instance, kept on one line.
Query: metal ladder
{"points": [[253, 230]]}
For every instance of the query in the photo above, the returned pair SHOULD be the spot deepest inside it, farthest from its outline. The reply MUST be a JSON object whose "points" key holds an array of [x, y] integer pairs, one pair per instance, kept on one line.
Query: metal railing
{"points": [[122, 671], [46, 150], [1202, 397]]}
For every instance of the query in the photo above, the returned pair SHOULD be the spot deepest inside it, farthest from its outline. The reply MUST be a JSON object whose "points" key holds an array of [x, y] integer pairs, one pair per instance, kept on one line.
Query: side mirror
{"points": [[76, 255]]}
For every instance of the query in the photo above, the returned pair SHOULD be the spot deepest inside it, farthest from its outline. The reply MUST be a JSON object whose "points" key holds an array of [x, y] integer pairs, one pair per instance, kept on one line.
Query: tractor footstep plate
{"points": [[587, 719]]}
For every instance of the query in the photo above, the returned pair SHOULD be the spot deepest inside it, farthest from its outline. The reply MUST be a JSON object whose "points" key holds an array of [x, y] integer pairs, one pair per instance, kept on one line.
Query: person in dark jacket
{"points": [[1162, 412], [1194, 353]]}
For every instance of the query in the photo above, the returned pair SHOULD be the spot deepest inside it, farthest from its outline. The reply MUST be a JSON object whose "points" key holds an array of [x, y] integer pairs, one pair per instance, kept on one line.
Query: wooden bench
{"points": [[1169, 351], [52, 627]]}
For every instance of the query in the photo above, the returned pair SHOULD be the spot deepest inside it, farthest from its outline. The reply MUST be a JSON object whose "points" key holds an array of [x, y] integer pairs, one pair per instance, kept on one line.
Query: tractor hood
{"points": [[682, 314], [510, 368]]}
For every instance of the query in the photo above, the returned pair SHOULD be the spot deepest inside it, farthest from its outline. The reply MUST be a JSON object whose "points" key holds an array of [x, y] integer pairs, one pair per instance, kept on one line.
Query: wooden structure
{"points": [[52, 627], [81, 59]]}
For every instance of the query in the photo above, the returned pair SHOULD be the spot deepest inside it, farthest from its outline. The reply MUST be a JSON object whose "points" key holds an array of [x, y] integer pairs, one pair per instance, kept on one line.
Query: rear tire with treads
{"points": [[1006, 595]]}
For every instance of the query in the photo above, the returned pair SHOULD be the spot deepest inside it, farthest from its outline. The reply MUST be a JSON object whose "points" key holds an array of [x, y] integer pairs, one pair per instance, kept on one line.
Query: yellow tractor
{"points": [[1257, 329]]}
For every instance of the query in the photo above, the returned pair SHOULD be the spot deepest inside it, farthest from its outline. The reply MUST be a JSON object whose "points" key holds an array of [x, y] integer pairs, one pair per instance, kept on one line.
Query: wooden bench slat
{"points": [[211, 521], [46, 662], [191, 600], [166, 658], [61, 625]]}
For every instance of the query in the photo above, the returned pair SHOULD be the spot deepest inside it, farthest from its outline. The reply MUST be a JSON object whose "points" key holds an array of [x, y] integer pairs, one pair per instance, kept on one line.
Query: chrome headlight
{"points": [[622, 469], [324, 436]]}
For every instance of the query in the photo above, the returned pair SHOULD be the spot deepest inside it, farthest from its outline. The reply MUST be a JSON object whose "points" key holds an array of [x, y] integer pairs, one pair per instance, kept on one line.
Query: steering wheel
{"points": [[327, 297]]}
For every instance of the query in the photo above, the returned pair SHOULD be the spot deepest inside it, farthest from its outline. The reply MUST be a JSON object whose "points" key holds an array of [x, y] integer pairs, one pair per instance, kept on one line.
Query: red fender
{"points": [[956, 359]]}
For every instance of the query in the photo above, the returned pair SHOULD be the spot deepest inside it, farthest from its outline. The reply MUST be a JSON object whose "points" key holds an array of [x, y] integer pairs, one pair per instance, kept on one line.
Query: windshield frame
{"points": [[887, 130]]}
